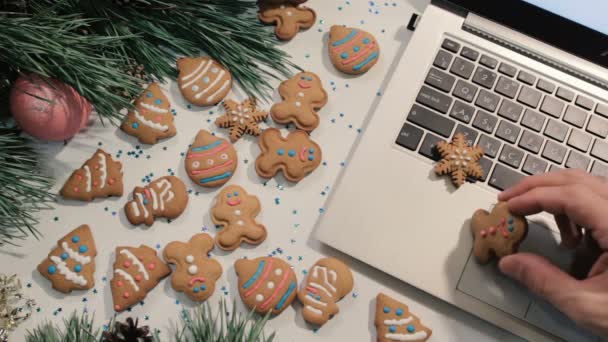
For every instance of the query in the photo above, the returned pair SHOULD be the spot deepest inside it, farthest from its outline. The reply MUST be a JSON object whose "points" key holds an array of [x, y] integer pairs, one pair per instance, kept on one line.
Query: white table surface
{"points": [[289, 211]]}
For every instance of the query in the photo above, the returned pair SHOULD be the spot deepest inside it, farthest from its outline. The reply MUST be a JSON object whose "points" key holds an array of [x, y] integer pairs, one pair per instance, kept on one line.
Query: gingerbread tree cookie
{"points": [[100, 176], [164, 197], [394, 322], [459, 160], [71, 265], [241, 118], [288, 18]]}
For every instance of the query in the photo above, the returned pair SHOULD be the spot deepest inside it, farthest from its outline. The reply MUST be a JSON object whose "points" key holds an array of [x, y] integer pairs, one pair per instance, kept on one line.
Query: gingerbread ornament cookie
{"points": [[459, 160], [302, 96], [498, 233], [195, 272], [71, 265], [203, 81], [288, 18], [296, 155], [136, 272], [164, 197], [266, 284], [211, 161], [394, 322], [235, 210], [352, 51], [328, 281], [241, 118], [151, 119], [100, 176]]}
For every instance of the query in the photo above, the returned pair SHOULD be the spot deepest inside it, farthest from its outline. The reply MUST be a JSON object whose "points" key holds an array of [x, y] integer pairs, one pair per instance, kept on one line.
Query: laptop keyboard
{"points": [[526, 124]]}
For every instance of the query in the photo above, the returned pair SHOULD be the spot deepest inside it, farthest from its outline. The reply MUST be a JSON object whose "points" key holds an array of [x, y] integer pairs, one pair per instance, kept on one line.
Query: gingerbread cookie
{"points": [[235, 210], [352, 51], [136, 272], [100, 176], [241, 118], [394, 322], [459, 160], [266, 284], [71, 265], [211, 161], [151, 119], [302, 96], [328, 281], [164, 197], [203, 81], [195, 273], [497, 233], [297, 155], [288, 18]]}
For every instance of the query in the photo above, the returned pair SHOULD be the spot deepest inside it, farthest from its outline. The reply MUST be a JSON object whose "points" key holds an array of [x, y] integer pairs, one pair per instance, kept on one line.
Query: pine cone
{"points": [[128, 332], [138, 71]]}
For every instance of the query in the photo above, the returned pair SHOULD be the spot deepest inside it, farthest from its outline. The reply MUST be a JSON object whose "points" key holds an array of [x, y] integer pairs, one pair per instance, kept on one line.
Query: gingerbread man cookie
{"points": [[297, 155], [71, 265], [302, 96], [394, 322], [195, 272], [203, 81], [211, 161], [241, 118], [459, 160], [498, 233], [266, 284], [100, 176], [288, 18], [151, 119], [164, 197], [352, 51], [235, 210], [328, 281], [136, 272]]}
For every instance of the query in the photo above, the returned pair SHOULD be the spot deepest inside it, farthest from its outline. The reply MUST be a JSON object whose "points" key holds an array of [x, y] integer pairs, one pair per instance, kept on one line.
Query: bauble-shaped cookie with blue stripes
{"points": [[352, 50], [211, 161]]}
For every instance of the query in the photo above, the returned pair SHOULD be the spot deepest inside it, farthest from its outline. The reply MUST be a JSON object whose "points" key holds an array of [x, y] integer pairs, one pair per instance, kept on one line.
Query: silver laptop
{"points": [[526, 80]]}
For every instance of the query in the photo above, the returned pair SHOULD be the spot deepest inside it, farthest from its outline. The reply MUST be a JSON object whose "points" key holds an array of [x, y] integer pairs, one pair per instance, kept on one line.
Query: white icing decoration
{"points": [[270, 285], [83, 259], [219, 77], [195, 88], [298, 104], [136, 261], [87, 175], [300, 94], [315, 274], [103, 169], [140, 199], [237, 212], [166, 195], [289, 13], [259, 297], [135, 209], [196, 164], [215, 70], [319, 287], [334, 275], [65, 271], [200, 66], [313, 310], [222, 88], [153, 108], [189, 259], [154, 125], [240, 223], [403, 321], [154, 199], [128, 278], [316, 301], [206, 80], [224, 156], [278, 271], [192, 269], [410, 337], [208, 64]]}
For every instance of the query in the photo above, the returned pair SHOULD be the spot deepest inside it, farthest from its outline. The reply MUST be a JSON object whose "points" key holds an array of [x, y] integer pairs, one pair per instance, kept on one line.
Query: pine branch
{"points": [[77, 328]]}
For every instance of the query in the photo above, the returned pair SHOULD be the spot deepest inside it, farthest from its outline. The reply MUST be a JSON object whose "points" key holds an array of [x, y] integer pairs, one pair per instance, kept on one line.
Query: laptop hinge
{"points": [[531, 48]]}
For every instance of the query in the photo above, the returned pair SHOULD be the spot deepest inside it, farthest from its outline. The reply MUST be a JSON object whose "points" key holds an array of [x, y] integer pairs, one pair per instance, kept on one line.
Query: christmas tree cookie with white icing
{"points": [[394, 322], [100, 176]]}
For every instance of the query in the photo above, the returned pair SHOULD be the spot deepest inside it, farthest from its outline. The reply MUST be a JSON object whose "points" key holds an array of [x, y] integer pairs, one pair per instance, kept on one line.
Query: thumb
{"points": [[540, 276]]}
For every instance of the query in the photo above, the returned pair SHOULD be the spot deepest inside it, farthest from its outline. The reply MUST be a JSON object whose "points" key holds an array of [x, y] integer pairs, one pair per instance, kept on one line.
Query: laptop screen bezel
{"points": [[540, 24]]}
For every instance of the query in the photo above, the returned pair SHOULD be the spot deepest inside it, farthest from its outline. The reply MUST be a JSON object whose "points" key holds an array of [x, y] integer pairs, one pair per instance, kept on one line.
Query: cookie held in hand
{"points": [[203, 81], [100, 176], [211, 161], [164, 197], [394, 322], [288, 18], [459, 160], [498, 233], [352, 51]]}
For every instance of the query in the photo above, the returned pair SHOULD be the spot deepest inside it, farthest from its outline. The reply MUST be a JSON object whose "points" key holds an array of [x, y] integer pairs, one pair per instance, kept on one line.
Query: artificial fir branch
{"points": [[76, 328]]}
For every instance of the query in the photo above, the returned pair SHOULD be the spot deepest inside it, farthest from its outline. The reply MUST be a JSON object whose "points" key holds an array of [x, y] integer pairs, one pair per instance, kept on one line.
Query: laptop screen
{"points": [[590, 13]]}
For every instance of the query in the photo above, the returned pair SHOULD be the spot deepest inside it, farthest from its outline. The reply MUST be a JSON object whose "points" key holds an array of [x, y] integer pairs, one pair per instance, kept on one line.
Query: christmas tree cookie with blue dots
{"points": [[351, 50], [71, 265], [394, 322]]}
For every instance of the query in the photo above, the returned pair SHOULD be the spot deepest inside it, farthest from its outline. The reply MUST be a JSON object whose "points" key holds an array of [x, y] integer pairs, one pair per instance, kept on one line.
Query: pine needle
{"points": [[76, 328]]}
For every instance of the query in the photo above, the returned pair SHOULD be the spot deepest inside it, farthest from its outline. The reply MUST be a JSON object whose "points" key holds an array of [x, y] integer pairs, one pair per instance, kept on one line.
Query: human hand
{"points": [[577, 200]]}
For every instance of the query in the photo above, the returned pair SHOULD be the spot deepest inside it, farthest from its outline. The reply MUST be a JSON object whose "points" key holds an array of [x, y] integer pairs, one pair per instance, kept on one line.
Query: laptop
{"points": [[524, 79]]}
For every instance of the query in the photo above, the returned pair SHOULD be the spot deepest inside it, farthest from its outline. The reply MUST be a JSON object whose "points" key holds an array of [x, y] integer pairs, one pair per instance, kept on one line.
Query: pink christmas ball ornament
{"points": [[48, 109]]}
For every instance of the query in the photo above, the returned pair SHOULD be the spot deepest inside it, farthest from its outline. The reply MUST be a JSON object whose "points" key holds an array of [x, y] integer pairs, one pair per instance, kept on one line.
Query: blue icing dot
{"points": [[366, 41], [291, 153], [52, 269], [392, 329], [318, 297], [83, 249], [312, 150], [64, 256], [229, 195], [203, 287], [511, 228], [145, 202], [303, 78], [149, 94], [399, 312], [206, 79], [236, 193], [411, 328], [311, 157], [510, 220], [75, 239], [344, 55], [135, 125], [280, 152], [386, 309], [77, 268], [196, 289], [158, 101], [356, 49], [309, 79]]}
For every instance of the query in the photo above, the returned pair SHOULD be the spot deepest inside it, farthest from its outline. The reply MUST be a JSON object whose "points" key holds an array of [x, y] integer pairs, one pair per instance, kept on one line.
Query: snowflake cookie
{"points": [[459, 160]]}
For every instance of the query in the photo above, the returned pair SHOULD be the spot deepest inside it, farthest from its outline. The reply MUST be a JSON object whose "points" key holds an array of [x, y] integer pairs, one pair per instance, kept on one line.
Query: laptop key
{"points": [[531, 142], [575, 116], [577, 160], [434, 99], [469, 134], [526, 77], [584, 102], [552, 106], [511, 156], [503, 177], [450, 45], [469, 53], [565, 94], [490, 145], [410, 137], [443, 59], [533, 120], [579, 140], [600, 150], [530, 97], [462, 111], [485, 121], [598, 126], [556, 130], [546, 86], [484, 77], [510, 110], [554, 152], [599, 169], [508, 131], [440, 80], [465, 90], [462, 68], [431, 121], [428, 147], [488, 62], [507, 87], [507, 69], [534, 165], [602, 110], [487, 100]]}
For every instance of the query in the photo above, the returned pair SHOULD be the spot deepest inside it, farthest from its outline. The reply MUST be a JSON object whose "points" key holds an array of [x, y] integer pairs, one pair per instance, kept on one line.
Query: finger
{"points": [[570, 234], [599, 267], [541, 277]]}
